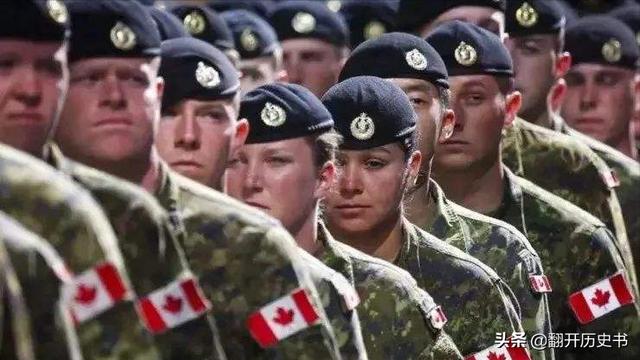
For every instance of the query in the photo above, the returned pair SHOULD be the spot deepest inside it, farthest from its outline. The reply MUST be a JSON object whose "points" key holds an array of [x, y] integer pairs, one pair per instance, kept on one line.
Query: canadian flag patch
{"points": [[540, 283], [282, 318], [600, 298], [93, 292], [172, 305], [501, 353]]}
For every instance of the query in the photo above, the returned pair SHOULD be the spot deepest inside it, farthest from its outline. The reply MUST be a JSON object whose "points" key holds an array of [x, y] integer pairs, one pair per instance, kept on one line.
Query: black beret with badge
{"points": [[34, 20], [194, 69], [205, 24], [369, 112], [308, 19], [533, 17], [396, 55], [258, 7], [467, 49], [112, 28], [630, 15], [281, 111], [602, 39], [368, 19], [168, 24], [415, 13], [253, 36]]}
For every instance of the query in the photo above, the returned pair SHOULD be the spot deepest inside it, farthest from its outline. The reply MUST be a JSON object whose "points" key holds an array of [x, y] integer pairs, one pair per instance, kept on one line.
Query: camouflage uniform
{"points": [[244, 260], [569, 169], [153, 258], [476, 299], [577, 251], [499, 245], [51, 206], [394, 313]]}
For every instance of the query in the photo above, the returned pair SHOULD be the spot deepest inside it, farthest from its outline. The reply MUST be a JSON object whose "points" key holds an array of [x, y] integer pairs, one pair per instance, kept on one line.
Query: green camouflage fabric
{"points": [[577, 250], [152, 255], [244, 260], [478, 303], [52, 206], [568, 168], [395, 314], [501, 247]]}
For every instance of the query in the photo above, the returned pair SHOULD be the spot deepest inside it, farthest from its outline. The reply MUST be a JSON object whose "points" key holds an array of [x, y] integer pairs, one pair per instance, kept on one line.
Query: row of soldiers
{"points": [[181, 184]]}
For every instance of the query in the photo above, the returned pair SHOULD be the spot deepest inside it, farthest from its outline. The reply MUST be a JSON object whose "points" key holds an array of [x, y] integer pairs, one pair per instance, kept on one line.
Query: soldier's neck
{"points": [[306, 235], [418, 204], [543, 119], [627, 145], [481, 190]]}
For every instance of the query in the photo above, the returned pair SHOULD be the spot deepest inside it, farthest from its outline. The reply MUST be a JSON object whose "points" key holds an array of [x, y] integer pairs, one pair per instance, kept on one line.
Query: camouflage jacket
{"points": [[568, 168], [476, 299], [577, 251], [152, 255], [48, 204], [245, 261], [498, 245], [397, 317]]}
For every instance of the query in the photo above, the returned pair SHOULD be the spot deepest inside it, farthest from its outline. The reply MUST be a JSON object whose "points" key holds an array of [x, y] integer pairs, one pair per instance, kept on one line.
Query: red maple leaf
{"points": [[85, 294], [172, 304], [283, 317], [494, 356], [601, 298]]}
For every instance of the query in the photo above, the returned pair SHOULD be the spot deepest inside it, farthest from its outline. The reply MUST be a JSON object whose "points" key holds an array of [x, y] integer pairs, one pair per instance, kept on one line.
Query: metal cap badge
{"points": [[526, 15], [465, 54], [273, 115], [362, 127], [373, 30], [248, 40], [194, 22], [122, 36], [207, 76], [416, 60], [303, 23], [612, 50], [58, 11]]}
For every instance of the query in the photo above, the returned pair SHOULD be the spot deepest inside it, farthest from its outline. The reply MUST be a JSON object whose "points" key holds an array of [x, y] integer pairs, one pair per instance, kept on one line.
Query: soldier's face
{"points": [[314, 64], [196, 138], [369, 191], [279, 178], [257, 72], [599, 101], [534, 63], [485, 17], [33, 81], [111, 110]]}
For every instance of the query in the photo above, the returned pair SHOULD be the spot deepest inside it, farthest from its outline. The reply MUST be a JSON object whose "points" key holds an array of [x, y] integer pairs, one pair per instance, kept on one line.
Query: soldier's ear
{"points": [[448, 125], [513, 103], [326, 178], [415, 161], [562, 64]]}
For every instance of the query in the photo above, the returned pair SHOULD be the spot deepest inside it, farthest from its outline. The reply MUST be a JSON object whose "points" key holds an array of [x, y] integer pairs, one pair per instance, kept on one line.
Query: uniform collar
{"points": [[332, 254]]}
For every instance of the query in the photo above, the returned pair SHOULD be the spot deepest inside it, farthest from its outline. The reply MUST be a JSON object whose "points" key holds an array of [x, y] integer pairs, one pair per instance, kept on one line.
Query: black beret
{"points": [[415, 13], [34, 20], [281, 111], [301, 19], [112, 28], [533, 17], [253, 36], [602, 39], [629, 15], [194, 69], [369, 112], [396, 55], [468, 49], [260, 8], [205, 24], [168, 24], [368, 19]]}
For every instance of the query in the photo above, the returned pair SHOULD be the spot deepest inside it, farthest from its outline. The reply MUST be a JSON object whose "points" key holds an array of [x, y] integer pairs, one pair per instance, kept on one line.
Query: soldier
{"points": [[423, 77], [556, 162], [285, 168], [376, 162], [577, 251], [169, 26], [108, 122], [315, 43], [260, 52], [368, 19]]}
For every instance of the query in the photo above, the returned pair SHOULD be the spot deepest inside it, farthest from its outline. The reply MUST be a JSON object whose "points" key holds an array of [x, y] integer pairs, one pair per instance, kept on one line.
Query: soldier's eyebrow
{"points": [[418, 87]]}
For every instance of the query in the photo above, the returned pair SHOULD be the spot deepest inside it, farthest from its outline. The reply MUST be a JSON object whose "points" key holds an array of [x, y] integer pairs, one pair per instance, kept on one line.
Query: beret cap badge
{"points": [[273, 115], [526, 15], [465, 54], [416, 60], [58, 11], [373, 30], [612, 50], [194, 22], [362, 127], [207, 76], [122, 36], [303, 23], [248, 40]]}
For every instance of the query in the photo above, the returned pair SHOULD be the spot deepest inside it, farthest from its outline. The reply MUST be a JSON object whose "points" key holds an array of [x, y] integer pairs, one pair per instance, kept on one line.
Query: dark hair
{"points": [[325, 147]]}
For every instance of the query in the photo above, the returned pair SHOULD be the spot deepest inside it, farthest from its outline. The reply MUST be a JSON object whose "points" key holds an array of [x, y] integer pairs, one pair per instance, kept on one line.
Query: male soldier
{"points": [[259, 49], [420, 17], [577, 251], [284, 169], [315, 43], [556, 162], [423, 77], [108, 122]]}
